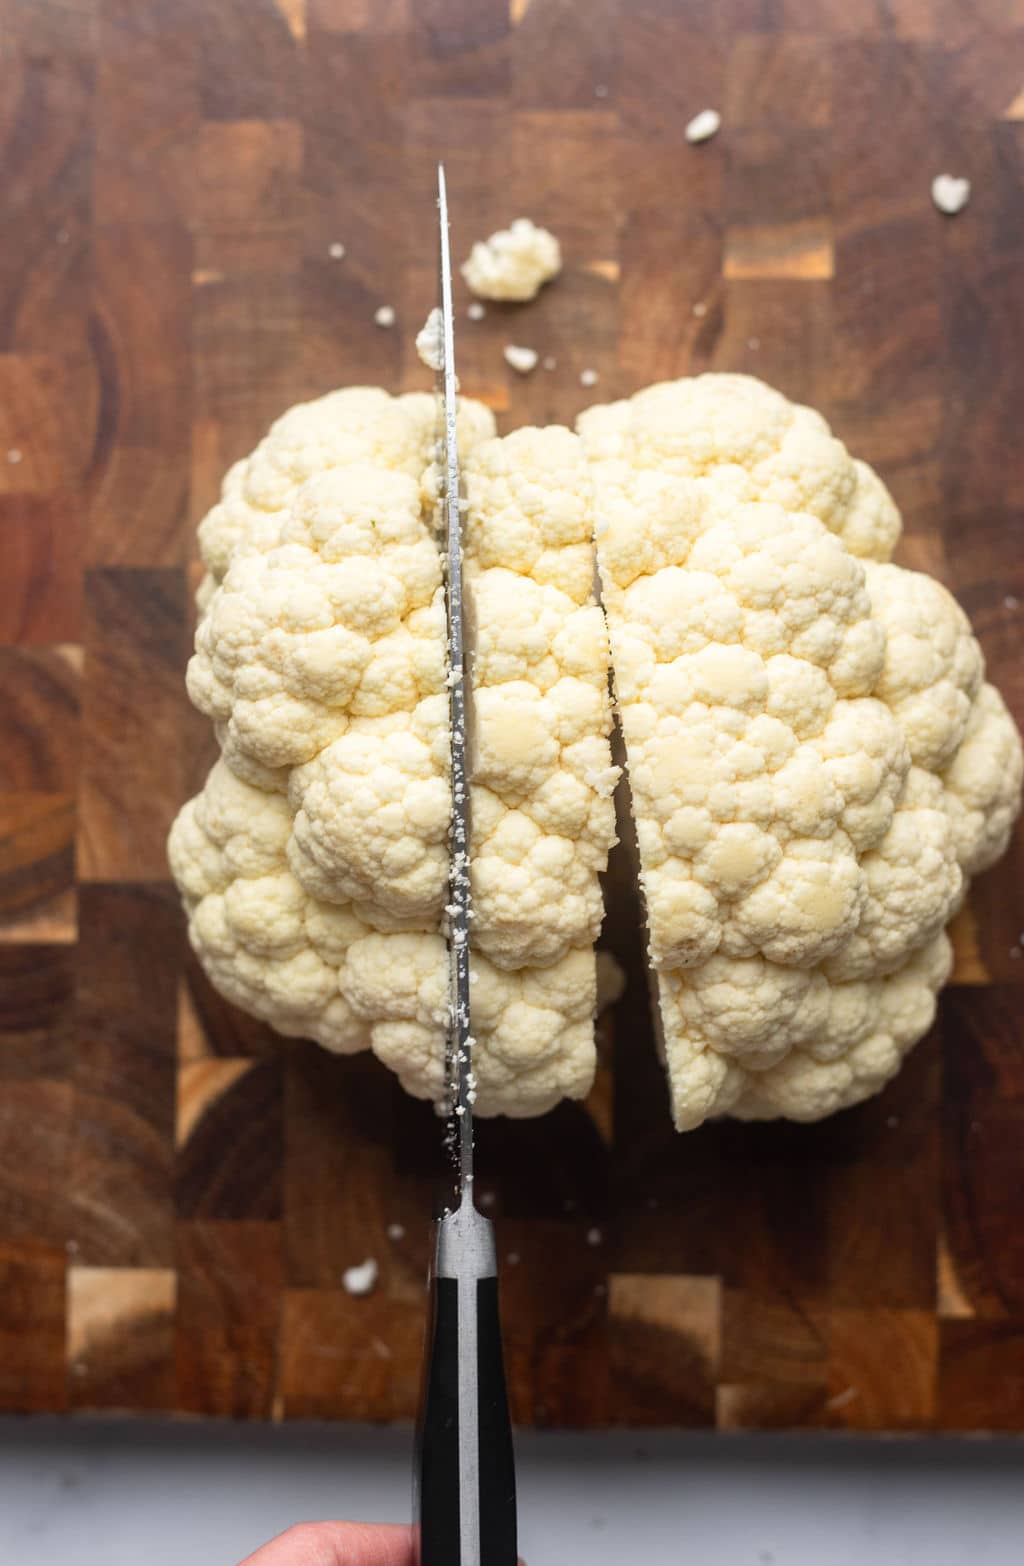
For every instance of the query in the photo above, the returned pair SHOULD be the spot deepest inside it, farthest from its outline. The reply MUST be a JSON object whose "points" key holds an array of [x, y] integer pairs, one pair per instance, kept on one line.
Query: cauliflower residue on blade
{"points": [[430, 341], [514, 263], [815, 761]]}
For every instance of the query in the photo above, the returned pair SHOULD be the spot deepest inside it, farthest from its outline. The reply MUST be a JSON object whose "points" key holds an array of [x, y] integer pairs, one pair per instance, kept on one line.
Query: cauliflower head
{"points": [[815, 760], [817, 764]]}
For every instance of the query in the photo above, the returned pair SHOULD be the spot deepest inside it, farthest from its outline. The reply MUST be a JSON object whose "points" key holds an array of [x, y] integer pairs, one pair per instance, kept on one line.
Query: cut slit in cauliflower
{"points": [[805, 729], [314, 864]]}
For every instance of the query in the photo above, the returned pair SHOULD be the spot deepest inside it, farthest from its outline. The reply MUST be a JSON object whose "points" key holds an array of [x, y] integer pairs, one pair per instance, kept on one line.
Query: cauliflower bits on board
{"points": [[816, 763]]}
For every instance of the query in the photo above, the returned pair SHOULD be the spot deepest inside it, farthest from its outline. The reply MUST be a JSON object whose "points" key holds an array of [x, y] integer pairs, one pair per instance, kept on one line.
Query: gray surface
{"points": [[204, 1495]]}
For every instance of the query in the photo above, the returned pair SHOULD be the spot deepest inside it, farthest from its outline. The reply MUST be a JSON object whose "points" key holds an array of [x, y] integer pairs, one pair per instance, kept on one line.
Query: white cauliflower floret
{"points": [[755, 1040], [317, 970], [533, 1027], [262, 941], [983, 783], [814, 761], [514, 263], [325, 655], [540, 714], [529, 509], [356, 427], [738, 809], [751, 440], [933, 667], [371, 819]]}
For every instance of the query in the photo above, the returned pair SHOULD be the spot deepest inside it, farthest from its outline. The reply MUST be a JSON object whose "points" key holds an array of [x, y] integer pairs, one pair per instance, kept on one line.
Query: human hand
{"points": [[337, 1544]]}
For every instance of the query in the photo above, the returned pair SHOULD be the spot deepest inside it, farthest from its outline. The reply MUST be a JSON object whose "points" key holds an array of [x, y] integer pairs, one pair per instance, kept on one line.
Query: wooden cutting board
{"points": [[179, 1190]]}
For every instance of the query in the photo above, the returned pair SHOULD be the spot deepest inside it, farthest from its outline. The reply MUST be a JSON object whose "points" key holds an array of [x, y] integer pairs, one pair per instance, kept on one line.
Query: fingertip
{"points": [[338, 1544]]}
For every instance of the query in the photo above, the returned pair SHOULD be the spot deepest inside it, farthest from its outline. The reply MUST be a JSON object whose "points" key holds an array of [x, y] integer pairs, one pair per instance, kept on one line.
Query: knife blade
{"points": [[459, 1063], [465, 1469]]}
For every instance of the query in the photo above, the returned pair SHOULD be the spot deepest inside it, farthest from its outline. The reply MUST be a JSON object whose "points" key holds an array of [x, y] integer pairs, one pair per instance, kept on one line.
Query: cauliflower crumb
{"points": [[950, 193], [476, 311], [396, 1231], [550, 362], [336, 251], [361, 1279], [521, 359], [700, 309], [384, 316], [594, 1236], [14, 455], [703, 126], [589, 377], [514, 263], [430, 340]]}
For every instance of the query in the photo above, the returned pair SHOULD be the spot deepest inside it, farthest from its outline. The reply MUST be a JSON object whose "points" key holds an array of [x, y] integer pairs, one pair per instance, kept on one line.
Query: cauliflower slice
{"points": [[542, 780], [815, 763], [514, 263], [314, 864]]}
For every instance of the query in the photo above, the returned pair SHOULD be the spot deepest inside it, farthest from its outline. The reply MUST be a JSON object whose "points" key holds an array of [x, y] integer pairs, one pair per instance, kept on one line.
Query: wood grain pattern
{"points": [[180, 1190], [132, 764], [664, 1329], [228, 1318], [864, 1348], [120, 1336], [33, 1365], [37, 996], [39, 697], [229, 1139], [38, 900], [41, 540], [122, 1161]]}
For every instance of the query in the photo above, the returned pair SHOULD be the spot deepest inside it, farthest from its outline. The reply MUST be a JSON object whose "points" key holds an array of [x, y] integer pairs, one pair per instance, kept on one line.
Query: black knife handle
{"points": [[444, 1468]]}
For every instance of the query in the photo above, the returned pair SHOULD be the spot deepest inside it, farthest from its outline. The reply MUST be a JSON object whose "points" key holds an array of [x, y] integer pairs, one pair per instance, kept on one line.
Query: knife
{"points": [[465, 1470]]}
